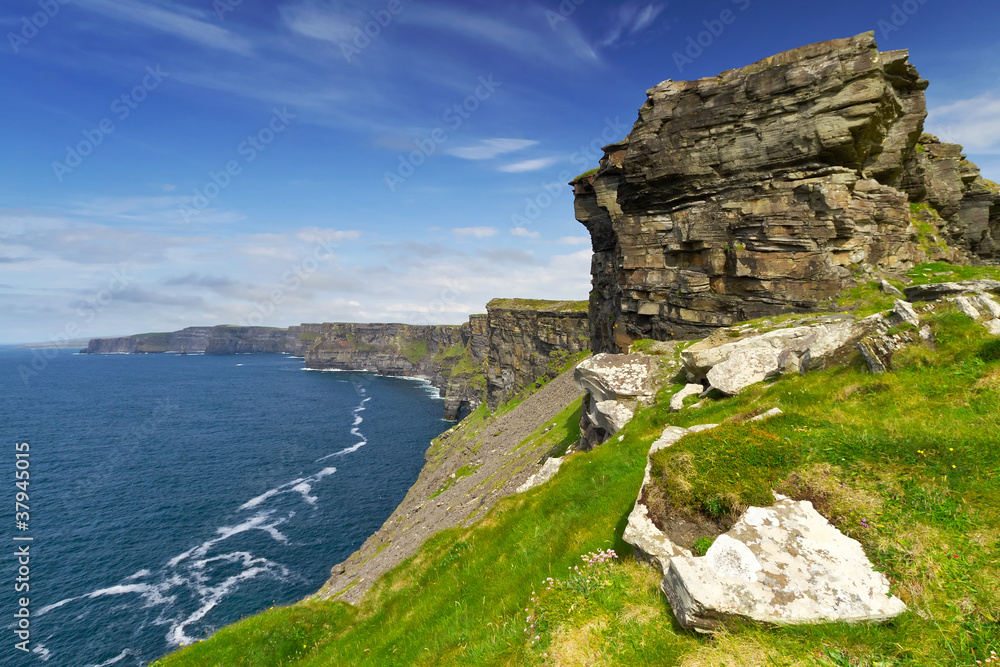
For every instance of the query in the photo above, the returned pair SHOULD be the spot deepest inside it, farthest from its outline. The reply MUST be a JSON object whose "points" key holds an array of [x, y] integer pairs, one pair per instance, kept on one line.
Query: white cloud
{"points": [[522, 231], [177, 281], [172, 22], [163, 209], [533, 42], [631, 18], [528, 165], [487, 149], [317, 22], [974, 123], [475, 232], [574, 240]]}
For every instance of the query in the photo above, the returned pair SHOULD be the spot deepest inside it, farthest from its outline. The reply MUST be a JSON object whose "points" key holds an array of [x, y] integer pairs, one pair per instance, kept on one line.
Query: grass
{"points": [[589, 172], [906, 463], [942, 272], [414, 351], [539, 304], [464, 471]]}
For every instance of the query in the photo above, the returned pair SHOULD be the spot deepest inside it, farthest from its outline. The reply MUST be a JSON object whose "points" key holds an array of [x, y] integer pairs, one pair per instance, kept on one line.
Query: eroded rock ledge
{"points": [[769, 189]]}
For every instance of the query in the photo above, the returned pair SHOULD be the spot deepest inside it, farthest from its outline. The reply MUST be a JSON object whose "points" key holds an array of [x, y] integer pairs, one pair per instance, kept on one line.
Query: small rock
{"points": [[986, 304], [937, 291], [677, 400], [889, 289], [993, 326], [904, 312], [773, 412], [548, 471], [965, 305]]}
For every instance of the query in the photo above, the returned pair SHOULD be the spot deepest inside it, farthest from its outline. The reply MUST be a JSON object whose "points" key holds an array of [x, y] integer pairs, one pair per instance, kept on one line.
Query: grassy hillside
{"points": [[907, 463]]}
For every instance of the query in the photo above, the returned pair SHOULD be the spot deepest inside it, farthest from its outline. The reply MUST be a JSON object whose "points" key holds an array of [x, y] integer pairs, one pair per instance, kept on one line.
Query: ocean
{"points": [[172, 495]]}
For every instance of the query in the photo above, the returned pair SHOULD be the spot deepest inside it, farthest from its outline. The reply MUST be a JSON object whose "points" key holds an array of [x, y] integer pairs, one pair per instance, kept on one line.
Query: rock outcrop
{"points": [[529, 340], [614, 385], [769, 189], [967, 206]]}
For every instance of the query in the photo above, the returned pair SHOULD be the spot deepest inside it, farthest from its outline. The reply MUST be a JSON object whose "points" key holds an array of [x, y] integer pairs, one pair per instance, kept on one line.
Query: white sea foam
{"points": [[138, 575], [43, 653], [118, 658], [210, 597], [256, 522], [355, 430], [302, 485]]}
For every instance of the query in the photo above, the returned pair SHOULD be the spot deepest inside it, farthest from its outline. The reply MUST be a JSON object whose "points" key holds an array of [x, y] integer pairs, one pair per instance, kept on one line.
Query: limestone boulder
{"points": [[730, 367], [784, 564]]}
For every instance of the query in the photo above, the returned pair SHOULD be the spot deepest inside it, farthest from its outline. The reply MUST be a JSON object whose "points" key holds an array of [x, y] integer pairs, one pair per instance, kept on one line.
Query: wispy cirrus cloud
{"points": [[528, 165], [524, 33], [173, 19], [487, 149], [629, 19], [317, 21]]}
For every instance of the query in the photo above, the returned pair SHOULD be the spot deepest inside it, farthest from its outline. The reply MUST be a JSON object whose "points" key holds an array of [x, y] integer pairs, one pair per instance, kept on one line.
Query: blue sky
{"points": [[170, 163]]}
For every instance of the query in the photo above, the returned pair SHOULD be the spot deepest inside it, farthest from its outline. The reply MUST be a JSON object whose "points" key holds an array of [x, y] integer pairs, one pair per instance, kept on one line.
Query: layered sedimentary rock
{"points": [[769, 189], [530, 340], [968, 206], [247, 340], [491, 357], [208, 340], [302, 337], [445, 355]]}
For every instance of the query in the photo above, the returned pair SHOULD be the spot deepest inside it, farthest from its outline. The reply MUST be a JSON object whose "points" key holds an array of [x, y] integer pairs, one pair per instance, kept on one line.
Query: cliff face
{"points": [[446, 355], [209, 340], [247, 340], [302, 337], [491, 357], [968, 206], [529, 340], [768, 189]]}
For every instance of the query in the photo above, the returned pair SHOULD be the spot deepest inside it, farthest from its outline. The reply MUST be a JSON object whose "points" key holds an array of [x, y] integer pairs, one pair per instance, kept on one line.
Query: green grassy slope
{"points": [[907, 463]]}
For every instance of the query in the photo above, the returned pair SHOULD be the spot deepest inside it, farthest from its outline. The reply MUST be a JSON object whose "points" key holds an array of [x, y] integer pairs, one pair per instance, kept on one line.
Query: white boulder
{"points": [[784, 564]]}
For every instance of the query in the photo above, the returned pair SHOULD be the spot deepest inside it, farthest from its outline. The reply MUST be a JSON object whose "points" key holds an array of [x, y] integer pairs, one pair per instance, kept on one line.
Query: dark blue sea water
{"points": [[171, 495]]}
